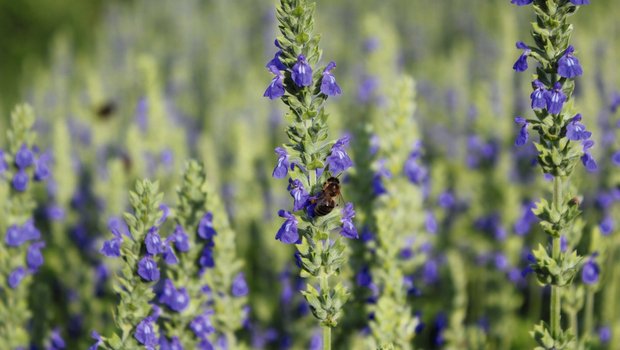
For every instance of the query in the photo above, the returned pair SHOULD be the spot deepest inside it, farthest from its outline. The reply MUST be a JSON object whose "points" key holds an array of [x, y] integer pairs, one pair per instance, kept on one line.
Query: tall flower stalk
{"points": [[563, 142], [310, 158], [20, 248], [139, 246]]}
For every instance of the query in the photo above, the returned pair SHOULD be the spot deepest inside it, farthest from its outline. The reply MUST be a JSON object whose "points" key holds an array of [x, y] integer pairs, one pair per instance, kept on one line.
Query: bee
{"points": [[106, 110], [326, 201]]}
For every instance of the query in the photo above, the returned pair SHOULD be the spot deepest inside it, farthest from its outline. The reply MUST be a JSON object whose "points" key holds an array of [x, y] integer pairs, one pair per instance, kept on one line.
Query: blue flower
{"points": [[276, 87], [24, 157], [338, 160], [205, 227], [98, 341], [328, 84], [604, 334], [20, 181], [524, 224], [145, 333], [275, 62], [288, 231], [302, 72], [148, 270], [14, 236], [179, 300], [575, 131], [167, 292], [16, 276], [201, 326], [568, 65], [299, 193], [431, 223], [590, 272], [181, 240], [56, 341], [153, 242], [521, 2], [30, 232], [112, 247], [239, 286], [3, 165], [118, 227], [173, 344], [206, 258], [377, 179], [521, 63], [555, 99], [169, 257], [348, 229], [615, 158], [415, 172], [34, 258], [281, 169], [363, 277], [580, 2], [165, 212], [523, 133], [586, 159], [607, 225], [41, 167], [539, 101]]}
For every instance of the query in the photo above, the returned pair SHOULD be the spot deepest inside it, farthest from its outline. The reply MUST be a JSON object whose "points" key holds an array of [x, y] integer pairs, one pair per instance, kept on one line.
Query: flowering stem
{"points": [[327, 338]]}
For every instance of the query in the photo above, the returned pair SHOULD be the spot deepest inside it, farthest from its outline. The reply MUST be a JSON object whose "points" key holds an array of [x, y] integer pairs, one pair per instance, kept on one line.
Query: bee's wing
{"points": [[340, 200]]}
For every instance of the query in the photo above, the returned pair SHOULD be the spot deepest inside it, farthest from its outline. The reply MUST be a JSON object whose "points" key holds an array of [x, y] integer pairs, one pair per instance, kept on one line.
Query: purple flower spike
{"points": [[329, 86], [568, 65], [288, 231], [148, 270], [302, 72], [348, 229], [281, 169]]}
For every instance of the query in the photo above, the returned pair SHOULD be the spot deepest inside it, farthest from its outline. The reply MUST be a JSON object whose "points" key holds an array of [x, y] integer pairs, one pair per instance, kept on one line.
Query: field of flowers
{"points": [[317, 174]]}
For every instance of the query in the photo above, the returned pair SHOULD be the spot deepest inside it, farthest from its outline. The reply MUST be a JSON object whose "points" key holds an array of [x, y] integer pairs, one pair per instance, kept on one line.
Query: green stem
{"points": [[574, 325], [555, 312], [327, 338], [588, 314]]}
